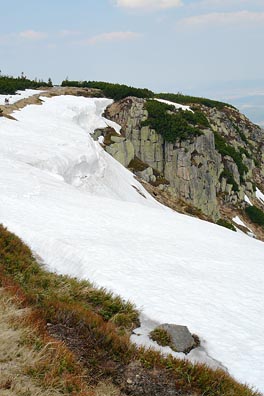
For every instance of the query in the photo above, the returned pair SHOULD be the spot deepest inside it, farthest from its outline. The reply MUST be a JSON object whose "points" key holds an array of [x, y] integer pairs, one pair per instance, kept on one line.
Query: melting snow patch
{"points": [[246, 199], [141, 337], [176, 105], [238, 221], [260, 195], [19, 95]]}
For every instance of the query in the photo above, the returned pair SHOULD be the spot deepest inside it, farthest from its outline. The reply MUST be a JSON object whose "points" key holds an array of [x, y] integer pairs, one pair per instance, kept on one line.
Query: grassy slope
{"points": [[93, 324]]}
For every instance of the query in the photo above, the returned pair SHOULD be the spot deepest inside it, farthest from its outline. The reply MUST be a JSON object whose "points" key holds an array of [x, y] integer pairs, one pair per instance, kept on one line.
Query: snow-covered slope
{"points": [[82, 213], [18, 96]]}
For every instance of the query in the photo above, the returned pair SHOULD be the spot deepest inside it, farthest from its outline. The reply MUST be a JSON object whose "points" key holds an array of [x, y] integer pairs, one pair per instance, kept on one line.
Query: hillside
{"points": [[215, 165], [60, 336], [85, 215]]}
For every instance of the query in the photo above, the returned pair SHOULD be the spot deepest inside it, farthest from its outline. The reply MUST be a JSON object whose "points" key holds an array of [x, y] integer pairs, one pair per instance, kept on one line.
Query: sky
{"points": [[204, 47]]}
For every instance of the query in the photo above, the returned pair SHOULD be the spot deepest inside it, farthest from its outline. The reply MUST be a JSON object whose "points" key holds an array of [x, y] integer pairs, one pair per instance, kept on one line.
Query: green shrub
{"points": [[243, 136], [113, 91], [226, 224], [9, 85], [188, 100], [170, 124], [196, 118], [229, 179], [255, 214], [226, 149], [161, 336], [242, 150]]}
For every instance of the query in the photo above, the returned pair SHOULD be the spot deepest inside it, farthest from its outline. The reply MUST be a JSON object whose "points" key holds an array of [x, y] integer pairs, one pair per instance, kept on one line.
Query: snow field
{"points": [[75, 206], [19, 95]]}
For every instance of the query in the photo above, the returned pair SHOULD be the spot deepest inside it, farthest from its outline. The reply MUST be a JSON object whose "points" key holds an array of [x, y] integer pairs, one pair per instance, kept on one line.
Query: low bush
{"points": [[9, 85], [110, 90], [226, 224], [229, 179], [226, 149], [161, 336], [188, 100], [136, 165], [170, 124], [255, 214]]}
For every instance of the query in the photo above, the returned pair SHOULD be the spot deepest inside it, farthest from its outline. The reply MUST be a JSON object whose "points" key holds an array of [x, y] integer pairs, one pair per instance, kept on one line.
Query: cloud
{"points": [[222, 3], [148, 4], [69, 33], [111, 37], [226, 3], [243, 18], [32, 35]]}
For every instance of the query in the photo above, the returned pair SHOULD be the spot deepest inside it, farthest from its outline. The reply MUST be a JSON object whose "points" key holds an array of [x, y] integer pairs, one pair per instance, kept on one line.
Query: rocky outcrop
{"points": [[195, 170], [121, 149], [180, 337]]}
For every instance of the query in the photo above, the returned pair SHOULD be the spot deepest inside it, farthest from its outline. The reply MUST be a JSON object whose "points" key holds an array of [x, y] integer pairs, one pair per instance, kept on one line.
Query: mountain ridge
{"points": [[122, 239]]}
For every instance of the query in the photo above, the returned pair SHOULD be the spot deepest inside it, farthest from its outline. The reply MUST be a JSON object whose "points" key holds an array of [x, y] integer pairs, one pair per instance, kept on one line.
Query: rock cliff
{"points": [[212, 172]]}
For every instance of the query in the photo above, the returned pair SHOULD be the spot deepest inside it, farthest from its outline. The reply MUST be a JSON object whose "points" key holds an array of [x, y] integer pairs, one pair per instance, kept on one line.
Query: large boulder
{"points": [[181, 338]]}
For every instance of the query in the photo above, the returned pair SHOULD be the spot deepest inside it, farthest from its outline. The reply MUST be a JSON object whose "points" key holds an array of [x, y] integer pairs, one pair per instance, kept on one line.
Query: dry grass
{"points": [[31, 363], [23, 351], [106, 388]]}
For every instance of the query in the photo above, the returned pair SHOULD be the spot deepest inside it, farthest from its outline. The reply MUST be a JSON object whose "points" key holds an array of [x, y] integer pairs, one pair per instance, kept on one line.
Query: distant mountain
{"points": [[247, 96], [252, 106]]}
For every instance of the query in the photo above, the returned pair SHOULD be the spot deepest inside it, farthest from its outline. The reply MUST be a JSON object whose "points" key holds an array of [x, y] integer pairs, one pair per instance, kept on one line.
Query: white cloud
{"points": [[227, 3], [222, 3], [111, 37], [243, 18], [69, 33], [148, 4], [32, 35]]}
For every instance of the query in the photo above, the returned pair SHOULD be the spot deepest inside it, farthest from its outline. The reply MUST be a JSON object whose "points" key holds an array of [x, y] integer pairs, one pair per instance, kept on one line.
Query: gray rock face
{"points": [[193, 167], [121, 149], [181, 337]]}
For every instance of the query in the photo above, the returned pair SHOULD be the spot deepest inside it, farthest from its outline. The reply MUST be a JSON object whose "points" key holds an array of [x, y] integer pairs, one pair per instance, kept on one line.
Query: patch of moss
{"points": [[226, 149], [162, 337], [108, 134], [136, 165], [160, 180], [242, 150], [229, 179], [226, 224]]}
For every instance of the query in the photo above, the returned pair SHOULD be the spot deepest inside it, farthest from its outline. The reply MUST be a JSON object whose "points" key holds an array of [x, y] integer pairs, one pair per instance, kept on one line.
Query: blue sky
{"points": [[166, 45]]}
